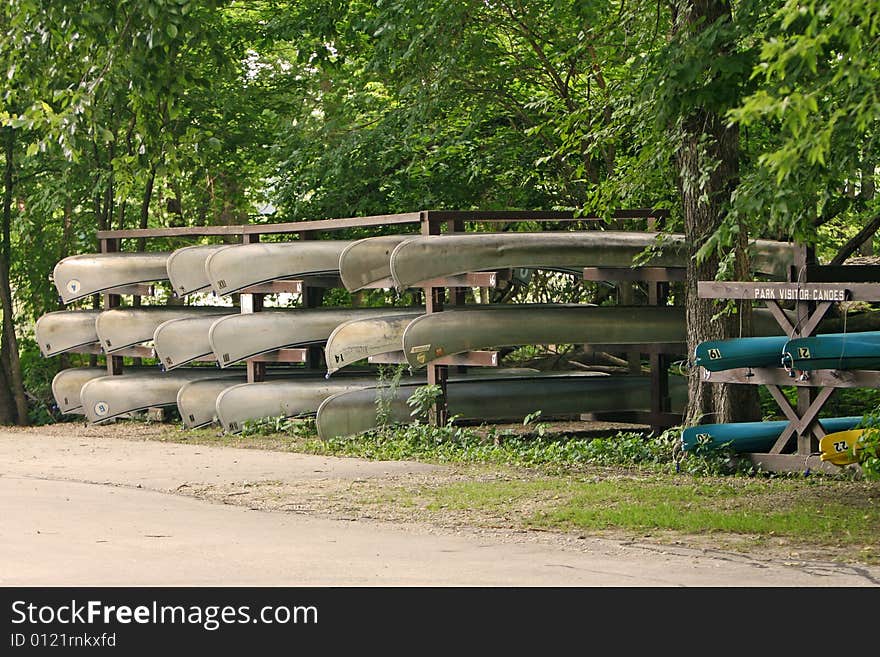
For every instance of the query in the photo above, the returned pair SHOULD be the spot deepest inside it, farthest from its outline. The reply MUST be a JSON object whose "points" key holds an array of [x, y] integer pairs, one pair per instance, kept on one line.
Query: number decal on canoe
{"points": [[73, 286], [714, 354], [803, 352], [221, 283], [101, 408], [841, 446]]}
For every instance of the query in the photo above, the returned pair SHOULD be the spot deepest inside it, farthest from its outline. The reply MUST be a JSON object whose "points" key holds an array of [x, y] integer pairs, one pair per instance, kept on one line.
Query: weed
{"points": [[423, 400], [267, 426], [388, 385]]}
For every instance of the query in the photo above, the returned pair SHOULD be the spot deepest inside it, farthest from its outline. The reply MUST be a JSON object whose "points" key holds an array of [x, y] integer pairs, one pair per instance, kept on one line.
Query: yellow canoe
{"points": [[842, 447]]}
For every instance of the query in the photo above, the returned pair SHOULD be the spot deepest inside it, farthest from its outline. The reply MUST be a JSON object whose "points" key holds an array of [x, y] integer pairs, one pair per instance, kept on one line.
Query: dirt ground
{"points": [[384, 492]]}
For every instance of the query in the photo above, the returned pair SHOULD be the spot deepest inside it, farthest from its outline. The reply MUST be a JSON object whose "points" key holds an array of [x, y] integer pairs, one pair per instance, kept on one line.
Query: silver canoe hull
{"points": [[108, 397], [186, 268], [197, 400], [246, 335], [437, 335], [79, 276], [451, 332], [66, 330], [67, 384], [504, 398], [237, 267], [368, 261], [123, 327], [358, 339], [181, 341], [289, 398], [439, 256]]}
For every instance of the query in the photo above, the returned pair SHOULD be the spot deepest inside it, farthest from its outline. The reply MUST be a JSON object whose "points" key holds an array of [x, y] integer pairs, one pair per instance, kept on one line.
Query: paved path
{"points": [[71, 513]]}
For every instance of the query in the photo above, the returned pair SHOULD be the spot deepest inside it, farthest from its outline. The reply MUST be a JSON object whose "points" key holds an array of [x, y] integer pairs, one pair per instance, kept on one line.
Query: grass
{"points": [[840, 514], [534, 479]]}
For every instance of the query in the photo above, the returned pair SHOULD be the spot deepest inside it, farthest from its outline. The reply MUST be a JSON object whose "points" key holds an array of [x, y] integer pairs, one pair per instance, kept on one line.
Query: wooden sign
{"points": [[817, 292], [801, 293]]}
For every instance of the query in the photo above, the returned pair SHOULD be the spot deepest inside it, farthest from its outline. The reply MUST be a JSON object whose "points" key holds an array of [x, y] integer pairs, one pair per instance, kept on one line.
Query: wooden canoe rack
{"points": [[427, 222], [659, 354], [812, 289]]}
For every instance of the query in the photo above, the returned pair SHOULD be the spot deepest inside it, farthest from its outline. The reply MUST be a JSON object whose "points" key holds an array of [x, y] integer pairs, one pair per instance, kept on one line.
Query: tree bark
{"points": [[11, 361], [710, 145]]}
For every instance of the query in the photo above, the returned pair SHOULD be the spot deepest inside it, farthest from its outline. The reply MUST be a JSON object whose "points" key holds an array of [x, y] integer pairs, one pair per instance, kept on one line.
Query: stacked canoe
{"points": [[185, 336], [828, 351]]}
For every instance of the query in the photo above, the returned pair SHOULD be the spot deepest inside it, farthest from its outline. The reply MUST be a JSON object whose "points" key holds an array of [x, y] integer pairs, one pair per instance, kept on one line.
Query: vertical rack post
{"points": [[253, 303], [658, 293], [312, 297], [434, 298], [806, 441], [110, 245]]}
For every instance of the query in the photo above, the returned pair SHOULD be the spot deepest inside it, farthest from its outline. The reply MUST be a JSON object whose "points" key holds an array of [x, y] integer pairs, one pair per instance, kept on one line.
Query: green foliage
{"points": [[869, 454], [867, 449], [423, 400], [267, 426], [462, 444], [388, 385]]}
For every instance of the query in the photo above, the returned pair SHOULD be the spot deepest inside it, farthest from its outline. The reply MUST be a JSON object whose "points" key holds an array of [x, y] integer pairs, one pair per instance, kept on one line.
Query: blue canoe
{"points": [[717, 355], [834, 351], [752, 436]]}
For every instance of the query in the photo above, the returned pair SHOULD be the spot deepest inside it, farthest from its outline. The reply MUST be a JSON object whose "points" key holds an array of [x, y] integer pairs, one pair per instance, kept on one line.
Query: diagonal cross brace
{"points": [[799, 425]]}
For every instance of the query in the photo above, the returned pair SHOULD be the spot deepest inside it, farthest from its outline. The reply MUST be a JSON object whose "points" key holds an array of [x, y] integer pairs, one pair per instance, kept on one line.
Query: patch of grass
{"points": [[842, 514]]}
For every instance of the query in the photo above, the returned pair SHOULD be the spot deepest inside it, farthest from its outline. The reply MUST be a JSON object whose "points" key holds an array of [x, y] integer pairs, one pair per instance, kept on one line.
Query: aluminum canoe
{"points": [[357, 339], [496, 398], [368, 261], [236, 267], [834, 351], [181, 341], [108, 397], [65, 330], [67, 384], [186, 268], [437, 256], [450, 332], [289, 398], [242, 336], [197, 400], [751, 436], [79, 276], [123, 327]]}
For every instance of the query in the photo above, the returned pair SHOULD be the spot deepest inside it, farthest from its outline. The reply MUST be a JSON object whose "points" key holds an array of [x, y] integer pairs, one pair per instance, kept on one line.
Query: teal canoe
{"points": [[834, 351], [718, 355], [752, 436]]}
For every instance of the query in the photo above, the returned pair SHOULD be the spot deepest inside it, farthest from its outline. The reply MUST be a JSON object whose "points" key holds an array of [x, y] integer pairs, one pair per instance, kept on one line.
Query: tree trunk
{"points": [[710, 145], [867, 193], [13, 365], [7, 407]]}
